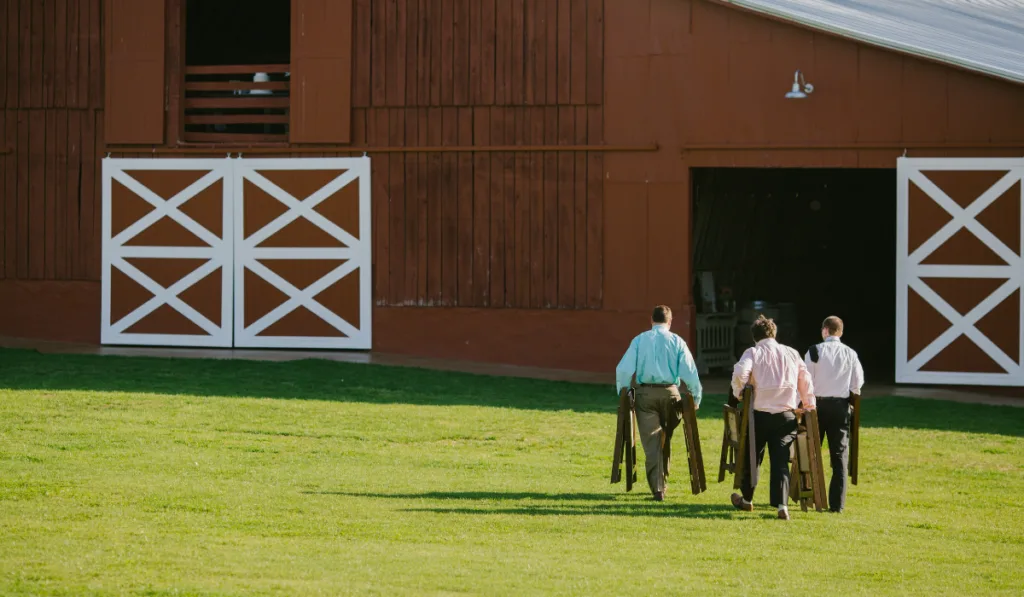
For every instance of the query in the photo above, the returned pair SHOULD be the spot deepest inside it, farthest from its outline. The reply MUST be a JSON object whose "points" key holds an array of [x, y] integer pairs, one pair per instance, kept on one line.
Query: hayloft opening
{"points": [[800, 245], [237, 58]]}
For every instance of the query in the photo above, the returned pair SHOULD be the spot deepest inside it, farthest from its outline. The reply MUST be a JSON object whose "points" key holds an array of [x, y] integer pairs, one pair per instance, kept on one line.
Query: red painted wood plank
{"points": [[550, 208], [566, 211], [488, 34], [37, 194], [412, 184], [48, 188], [502, 53], [439, 132], [425, 178], [71, 56], [5, 74], [396, 197], [413, 23], [530, 57], [578, 52], [28, 73], [396, 53], [551, 52], [82, 41], [363, 47], [449, 209], [436, 51], [463, 226], [74, 189], [509, 175], [60, 175], [595, 51], [595, 209], [95, 214], [61, 52], [5, 198], [48, 46], [11, 40], [460, 70], [11, 196], [96, 80], [523, 200], [423, 50], [378, 134], [448, 52], [537, 214], [378, 54], [475, 48], [564, 52], [482, 193], [496, 212], [23, 154], [517, 61], [580, 208]]}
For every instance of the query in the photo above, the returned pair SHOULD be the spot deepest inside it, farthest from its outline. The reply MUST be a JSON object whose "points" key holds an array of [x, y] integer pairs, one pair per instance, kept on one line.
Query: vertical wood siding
{"points": [[51, 123], [504, 229]]}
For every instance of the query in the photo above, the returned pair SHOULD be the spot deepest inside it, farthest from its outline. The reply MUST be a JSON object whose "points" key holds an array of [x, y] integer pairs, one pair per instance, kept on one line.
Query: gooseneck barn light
{"points": [[797, 92]]}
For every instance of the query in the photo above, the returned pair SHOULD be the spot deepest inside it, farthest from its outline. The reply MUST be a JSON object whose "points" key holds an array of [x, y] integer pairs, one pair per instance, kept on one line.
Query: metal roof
{"points": [[986, 36]]}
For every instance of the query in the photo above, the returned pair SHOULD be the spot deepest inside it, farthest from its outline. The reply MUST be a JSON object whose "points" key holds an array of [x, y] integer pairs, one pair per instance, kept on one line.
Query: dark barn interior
{"points": [[250, 40], [807, 243], [237, 32]]}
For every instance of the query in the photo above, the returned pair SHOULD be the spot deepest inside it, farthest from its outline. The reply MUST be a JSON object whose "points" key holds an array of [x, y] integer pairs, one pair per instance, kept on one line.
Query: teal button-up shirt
{"points": [[659, 357]]}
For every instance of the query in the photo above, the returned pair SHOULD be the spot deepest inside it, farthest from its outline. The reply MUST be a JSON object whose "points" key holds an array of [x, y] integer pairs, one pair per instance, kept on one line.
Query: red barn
{"points": [[517, 181]]}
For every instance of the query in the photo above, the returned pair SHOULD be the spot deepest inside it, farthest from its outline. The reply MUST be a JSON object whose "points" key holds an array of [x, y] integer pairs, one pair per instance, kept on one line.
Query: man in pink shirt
{"points": [[781, 382]]}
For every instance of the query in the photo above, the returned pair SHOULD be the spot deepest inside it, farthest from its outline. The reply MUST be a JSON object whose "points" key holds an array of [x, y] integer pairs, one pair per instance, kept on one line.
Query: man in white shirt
{"points": [[781, 382], [836, 373]]}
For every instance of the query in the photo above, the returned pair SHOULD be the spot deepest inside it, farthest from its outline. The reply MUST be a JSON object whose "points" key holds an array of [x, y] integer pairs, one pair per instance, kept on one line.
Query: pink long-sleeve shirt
{"points": [[779, 376]]}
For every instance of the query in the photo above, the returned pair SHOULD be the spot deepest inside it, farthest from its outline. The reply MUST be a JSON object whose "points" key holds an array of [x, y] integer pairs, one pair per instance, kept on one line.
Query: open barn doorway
{"points": [[800, 245]]}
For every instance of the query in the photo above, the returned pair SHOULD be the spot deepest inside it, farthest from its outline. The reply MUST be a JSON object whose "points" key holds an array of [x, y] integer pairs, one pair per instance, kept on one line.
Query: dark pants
{"points": [[834, 415], [776, 431]]}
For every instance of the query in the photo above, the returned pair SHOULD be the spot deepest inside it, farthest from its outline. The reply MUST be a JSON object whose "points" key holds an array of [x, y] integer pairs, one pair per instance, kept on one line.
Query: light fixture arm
{"points": [[799, 81]]}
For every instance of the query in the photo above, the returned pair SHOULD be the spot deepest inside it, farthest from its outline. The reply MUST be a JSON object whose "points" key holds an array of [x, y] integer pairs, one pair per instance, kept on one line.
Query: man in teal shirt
{"points": [[660, 361]]}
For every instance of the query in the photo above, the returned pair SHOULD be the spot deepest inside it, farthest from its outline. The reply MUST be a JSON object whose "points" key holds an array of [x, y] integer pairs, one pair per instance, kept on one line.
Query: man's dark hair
{"points": [[661, 314], [834, 325], [763, 328]]}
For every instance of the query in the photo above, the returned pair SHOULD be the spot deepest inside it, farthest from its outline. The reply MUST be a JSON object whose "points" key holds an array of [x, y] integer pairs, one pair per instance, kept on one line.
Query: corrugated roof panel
{"points": [[985, 36]]}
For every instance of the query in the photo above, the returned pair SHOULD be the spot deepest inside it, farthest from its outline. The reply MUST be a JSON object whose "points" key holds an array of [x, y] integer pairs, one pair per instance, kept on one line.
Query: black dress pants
{"points": [[834, 416], [776, 431]]}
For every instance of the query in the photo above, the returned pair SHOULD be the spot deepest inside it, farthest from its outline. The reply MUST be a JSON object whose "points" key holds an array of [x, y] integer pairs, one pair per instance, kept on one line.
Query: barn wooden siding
{"points": [[51, 118], [483, 229], [706, 83]]}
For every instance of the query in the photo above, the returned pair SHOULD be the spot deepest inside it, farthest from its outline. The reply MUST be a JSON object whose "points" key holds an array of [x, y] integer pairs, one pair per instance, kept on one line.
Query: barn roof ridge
{"points": [[984, 36]]}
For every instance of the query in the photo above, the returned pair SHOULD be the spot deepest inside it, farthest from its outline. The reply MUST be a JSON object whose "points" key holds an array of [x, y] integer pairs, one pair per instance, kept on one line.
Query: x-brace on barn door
{"points": [[237, 252]]}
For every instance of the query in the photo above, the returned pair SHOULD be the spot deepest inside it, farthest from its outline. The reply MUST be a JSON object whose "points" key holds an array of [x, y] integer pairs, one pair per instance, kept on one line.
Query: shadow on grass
{"points": [[659, 510], [552, 504], [475, 495], [318, 379]]}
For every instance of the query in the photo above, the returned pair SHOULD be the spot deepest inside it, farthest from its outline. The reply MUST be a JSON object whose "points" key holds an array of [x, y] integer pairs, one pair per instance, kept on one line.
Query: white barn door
{"points": [[960, 244], [265, 253]]}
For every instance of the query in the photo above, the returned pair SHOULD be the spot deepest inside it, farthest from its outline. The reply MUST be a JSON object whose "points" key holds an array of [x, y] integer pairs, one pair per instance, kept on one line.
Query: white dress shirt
{"points": [[780, 379], [837, 372]]}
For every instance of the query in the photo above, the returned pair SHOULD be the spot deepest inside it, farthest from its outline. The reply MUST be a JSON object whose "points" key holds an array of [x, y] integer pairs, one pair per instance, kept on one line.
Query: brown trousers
{"points": [[657, 416]]}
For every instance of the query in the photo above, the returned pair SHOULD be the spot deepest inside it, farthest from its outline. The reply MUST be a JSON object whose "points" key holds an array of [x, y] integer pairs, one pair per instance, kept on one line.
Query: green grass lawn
{"points": [[174, 477]]}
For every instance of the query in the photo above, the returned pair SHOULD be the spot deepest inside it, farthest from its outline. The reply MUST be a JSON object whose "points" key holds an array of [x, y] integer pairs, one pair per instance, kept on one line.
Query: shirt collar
{"points": [[766, 341], [659, 326], [832, 339]]}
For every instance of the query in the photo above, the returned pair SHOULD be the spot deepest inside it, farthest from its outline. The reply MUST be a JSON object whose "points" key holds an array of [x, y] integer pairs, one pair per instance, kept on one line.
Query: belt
{"points": [[829, 398]]}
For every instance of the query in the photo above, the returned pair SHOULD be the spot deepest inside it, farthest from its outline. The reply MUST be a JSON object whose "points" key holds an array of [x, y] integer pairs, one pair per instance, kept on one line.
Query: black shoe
{"points": [[659, 496]]}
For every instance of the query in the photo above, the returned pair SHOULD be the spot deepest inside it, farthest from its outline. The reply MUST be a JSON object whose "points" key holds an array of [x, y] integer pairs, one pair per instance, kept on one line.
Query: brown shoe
{"points": [[783, 514], [737, 501]]}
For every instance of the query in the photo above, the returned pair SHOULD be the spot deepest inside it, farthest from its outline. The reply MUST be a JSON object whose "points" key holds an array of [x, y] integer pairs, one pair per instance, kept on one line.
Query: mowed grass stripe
{"points": [[136, 476]]}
